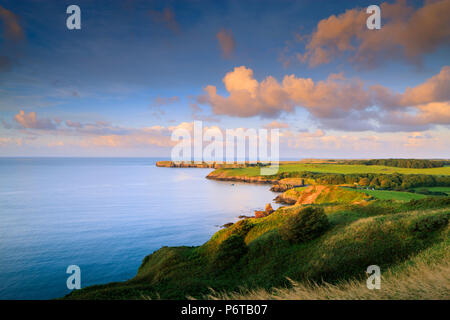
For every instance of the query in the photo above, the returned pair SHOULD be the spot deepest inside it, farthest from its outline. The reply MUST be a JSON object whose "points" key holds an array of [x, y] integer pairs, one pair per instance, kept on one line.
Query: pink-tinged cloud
{"points": [[406, 33], [30, 121], [226, 42], [276, 125], [5, 141], [164, 101], [11, 27], [337, 102], [73, 124]]}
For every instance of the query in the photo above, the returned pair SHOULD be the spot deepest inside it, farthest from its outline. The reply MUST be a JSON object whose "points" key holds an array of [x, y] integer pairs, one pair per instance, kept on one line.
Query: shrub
{"points": [[242, 227], [427, 203], [425, 225], [307, 224], [230, 251]]}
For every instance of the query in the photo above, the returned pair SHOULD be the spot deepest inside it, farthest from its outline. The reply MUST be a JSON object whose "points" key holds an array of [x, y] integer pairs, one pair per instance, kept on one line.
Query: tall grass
{"points": [[421, 281]]}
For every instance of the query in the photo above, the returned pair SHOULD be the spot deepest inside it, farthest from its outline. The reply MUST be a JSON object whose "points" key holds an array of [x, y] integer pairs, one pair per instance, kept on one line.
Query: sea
{"points": [[104, 215]]}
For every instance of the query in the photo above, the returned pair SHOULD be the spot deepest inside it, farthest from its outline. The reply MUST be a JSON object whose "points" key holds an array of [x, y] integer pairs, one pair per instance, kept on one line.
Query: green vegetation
{"points": [[436, 191], [401, 163], [393, 181], [338, 168], [391, 195], [425, 276], [306, 224], [332, 233], [230, 252], [334, 194], [377, 177], [387, 233]]}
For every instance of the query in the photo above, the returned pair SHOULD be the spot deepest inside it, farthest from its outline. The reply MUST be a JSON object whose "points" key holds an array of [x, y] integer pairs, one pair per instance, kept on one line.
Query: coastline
{"points": [[242, 252]]}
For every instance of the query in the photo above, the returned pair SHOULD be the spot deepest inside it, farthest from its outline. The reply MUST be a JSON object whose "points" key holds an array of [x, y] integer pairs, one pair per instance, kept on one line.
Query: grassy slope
{"points": [[337, 168], [425, 276], [377, 233], [335, 194]]}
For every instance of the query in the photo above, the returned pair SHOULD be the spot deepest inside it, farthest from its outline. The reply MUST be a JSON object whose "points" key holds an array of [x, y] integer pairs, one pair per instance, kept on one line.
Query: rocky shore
{"points": [[204, 164], [223, 176]]}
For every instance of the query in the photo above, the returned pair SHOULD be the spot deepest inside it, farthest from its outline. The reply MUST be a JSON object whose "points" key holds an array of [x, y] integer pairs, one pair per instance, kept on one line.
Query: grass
{"points": [[379, 232], [418, 280], [334, 194], [392, 195], [434, 189], [338, 168]]}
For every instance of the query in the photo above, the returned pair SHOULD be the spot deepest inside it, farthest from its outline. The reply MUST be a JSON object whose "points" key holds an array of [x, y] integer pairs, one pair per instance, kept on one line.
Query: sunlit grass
{"points": [[394, 195], [338, 168]]}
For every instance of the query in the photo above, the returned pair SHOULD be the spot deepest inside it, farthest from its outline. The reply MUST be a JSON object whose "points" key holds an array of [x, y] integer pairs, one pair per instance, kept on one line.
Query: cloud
{"points": [[196, 112], [167, 18], [13, 35], [336, 102], [406, 33], [5, 141], [73, 124], [226, 42], [30, 121], [55, 144], [164, 101], [91, 134], [11, 28], [276, 124], [247, 96]]}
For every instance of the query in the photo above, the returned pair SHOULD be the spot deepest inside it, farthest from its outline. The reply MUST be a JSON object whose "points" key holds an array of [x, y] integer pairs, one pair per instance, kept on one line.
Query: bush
{"points": [[307, 224], [425, 225], [242, 227], [428, 203], [230, 251]]}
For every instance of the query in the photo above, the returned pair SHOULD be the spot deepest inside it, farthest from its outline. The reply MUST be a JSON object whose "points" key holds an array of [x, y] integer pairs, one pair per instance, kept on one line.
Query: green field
{"points": [[339, 168], [392, 195], [435, 189]]}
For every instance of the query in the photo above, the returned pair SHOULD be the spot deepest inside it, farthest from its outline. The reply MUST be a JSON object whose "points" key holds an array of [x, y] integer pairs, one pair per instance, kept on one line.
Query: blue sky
{"points": [[146, 64]]}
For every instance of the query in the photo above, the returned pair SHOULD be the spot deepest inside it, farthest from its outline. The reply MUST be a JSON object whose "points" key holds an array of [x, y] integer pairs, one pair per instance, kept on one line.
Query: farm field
{"points": [[392, 195], [339, 168]]}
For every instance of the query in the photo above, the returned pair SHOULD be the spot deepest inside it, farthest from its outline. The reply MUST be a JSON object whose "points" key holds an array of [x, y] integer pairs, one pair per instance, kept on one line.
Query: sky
{"points": [[138, 70]]}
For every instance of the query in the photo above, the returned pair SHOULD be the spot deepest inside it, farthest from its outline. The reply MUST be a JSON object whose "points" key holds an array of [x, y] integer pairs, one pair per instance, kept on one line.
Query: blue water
{"points": [[104, 215]]}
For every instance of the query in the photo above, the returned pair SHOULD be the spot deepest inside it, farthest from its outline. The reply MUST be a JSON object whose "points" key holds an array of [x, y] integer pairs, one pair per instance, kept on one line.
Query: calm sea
{"points": [[104, 215]]}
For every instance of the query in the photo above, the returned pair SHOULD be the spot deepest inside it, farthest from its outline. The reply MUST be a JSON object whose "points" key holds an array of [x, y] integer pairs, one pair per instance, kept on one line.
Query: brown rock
{"points": [[269, 209], [229, 224], [260, 214]]}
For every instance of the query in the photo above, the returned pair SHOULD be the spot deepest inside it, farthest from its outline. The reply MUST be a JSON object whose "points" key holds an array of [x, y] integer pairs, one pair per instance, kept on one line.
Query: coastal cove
{"points": [[105, 215]]}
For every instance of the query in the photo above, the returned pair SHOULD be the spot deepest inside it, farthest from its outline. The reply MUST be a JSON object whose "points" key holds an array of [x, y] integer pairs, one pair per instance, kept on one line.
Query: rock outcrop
{"points": [[286, 184], [267, 211], [223, 176]]}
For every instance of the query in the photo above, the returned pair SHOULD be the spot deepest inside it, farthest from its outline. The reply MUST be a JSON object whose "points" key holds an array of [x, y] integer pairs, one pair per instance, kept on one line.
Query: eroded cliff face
{"points": [[204, 164], [223, 175], [171, 164]]}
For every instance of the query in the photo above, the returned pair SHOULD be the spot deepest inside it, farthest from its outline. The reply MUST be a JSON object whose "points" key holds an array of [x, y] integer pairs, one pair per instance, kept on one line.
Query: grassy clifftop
{"points": [[253, 254], [334, 168], [319, 194]]}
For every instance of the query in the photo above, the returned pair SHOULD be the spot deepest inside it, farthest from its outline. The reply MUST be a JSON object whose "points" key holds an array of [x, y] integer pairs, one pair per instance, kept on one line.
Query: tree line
{"points": [[395, 181], [400, 163]]}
